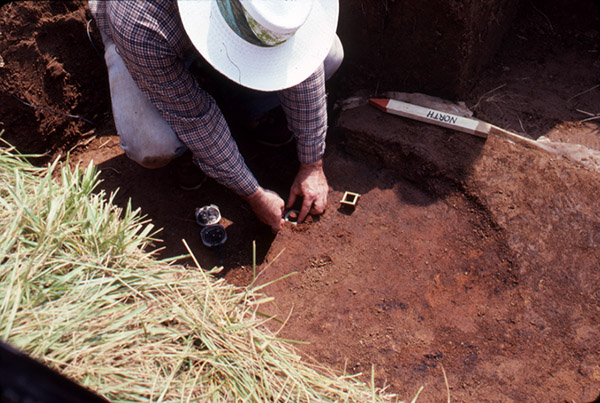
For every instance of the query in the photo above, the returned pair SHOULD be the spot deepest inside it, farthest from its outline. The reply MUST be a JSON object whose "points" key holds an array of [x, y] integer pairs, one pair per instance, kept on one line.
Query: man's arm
{"points": [[152, 41], [305, 106], [149, 37]]}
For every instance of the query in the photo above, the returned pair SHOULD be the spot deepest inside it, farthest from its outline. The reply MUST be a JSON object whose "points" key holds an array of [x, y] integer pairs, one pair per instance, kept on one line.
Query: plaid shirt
{"points": [[151, 40]]}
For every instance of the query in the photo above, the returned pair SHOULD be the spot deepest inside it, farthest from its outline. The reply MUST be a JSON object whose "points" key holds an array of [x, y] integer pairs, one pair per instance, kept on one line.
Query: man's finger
{"points": [[306, 206], [318, 207], [277, 226], [291, 199]]}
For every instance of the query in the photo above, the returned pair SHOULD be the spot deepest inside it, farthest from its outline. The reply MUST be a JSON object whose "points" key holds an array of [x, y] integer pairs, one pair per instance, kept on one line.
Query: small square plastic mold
{"points": [[350, 199]]}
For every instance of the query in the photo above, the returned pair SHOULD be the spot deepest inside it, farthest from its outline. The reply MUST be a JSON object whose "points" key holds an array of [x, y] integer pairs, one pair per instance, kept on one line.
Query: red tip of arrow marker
{"points": [[379, 103]]}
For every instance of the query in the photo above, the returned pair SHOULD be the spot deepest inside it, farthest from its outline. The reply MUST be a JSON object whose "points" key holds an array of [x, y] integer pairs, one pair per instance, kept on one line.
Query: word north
{"points": [[442, 117]]}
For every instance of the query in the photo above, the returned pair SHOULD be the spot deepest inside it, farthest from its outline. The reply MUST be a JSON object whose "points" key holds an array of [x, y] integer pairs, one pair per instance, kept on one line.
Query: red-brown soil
{"points": [[477, 259]]}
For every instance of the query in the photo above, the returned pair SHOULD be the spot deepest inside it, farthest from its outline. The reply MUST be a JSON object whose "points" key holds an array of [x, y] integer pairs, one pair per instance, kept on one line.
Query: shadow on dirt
{"points": [[434, 160], [172, 208]]}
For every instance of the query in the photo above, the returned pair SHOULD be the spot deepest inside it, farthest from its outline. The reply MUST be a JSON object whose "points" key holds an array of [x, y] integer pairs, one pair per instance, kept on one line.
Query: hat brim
{"points": [[260, 68]]}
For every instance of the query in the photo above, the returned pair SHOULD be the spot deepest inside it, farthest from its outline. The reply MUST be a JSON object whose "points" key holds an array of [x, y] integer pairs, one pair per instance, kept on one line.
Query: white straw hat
{"points": [[266, 45]]}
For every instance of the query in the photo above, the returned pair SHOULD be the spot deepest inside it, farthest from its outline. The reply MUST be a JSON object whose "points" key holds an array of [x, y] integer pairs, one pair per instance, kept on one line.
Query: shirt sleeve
{"points": [[147, 38], [305, 106]]}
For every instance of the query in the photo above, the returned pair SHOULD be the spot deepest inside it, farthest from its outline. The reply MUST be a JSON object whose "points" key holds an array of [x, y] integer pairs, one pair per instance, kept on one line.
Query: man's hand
{"points": [[311, 185], [268, 207]]}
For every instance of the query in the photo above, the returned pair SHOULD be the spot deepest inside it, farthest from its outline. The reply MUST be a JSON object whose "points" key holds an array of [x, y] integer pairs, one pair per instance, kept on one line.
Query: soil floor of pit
{"points": [[411, 284]]}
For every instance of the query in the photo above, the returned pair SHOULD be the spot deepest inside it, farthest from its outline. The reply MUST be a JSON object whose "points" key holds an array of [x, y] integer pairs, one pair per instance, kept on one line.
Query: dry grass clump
{"points": [[79, 292]]}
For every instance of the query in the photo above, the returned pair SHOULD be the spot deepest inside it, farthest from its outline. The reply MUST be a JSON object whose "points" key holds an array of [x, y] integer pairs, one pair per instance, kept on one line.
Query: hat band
{"points": [[248, 28]]}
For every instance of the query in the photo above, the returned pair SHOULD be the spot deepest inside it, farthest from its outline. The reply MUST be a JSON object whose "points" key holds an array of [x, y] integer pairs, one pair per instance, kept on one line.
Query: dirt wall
{"points": [[433, 47], [49, 63]]}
